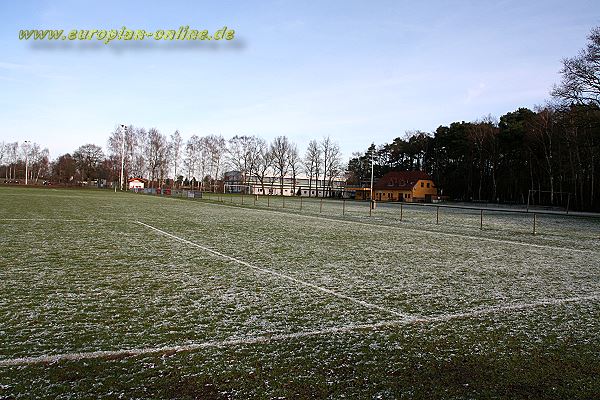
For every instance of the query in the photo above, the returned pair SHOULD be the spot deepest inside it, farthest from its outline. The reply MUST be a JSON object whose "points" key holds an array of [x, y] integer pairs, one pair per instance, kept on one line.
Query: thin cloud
{"points": [[14, 66], [476, 92]]}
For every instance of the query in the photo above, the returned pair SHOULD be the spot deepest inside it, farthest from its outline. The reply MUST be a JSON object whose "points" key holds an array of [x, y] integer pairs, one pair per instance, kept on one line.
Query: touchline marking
{"points": [[279, 274], [169, 350], [422, 231]]}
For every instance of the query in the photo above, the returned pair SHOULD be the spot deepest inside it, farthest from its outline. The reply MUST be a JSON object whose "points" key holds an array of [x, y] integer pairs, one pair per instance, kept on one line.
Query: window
{"points": [[427, 184], [422, 184]]}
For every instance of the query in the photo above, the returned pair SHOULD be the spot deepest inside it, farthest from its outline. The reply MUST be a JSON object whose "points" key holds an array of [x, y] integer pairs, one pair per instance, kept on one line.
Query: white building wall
{"points": [[272, 186], [136, 185]]}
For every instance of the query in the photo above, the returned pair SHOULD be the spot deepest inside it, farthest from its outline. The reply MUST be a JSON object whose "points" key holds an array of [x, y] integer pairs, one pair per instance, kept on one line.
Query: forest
{"points": [[550, 154]]}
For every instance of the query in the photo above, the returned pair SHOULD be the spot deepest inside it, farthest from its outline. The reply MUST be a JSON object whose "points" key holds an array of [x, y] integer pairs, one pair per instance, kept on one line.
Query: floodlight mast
{"points": [[123, 130], [26, 160], [372, 167]]}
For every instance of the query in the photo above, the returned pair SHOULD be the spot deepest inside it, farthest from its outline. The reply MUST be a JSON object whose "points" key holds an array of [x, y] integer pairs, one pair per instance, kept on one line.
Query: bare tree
{"points": [[24, 156], [114, 148], [215, 145], [264, 162], [156, 154], [326, 144], [334, 165], [197, 160], [280, 149], [294, 163], [312, 164], [242, 154], [581, 74], [132, 146], [138, 153], [175, 151], [41, 165], [331, 163], [204, 158], [12, 152], [3, 156], [34, 156], [191, 156]]}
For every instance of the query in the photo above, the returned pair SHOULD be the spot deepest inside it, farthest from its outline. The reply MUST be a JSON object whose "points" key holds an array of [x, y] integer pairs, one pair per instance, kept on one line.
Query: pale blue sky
{"points": [[358, 71]]}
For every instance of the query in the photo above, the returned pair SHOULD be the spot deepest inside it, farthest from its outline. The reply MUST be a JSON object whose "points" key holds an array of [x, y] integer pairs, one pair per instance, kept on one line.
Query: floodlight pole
{"points": [[372, 169], [26, 160], [123, 130]]}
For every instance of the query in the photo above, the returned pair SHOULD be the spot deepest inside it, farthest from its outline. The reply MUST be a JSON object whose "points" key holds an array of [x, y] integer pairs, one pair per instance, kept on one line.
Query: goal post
{"points": [[549, 199], [237, 188]]}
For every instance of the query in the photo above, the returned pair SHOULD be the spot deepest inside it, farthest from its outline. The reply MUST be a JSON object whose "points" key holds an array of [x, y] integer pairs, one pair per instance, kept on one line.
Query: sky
{"points": [[360, 72]]}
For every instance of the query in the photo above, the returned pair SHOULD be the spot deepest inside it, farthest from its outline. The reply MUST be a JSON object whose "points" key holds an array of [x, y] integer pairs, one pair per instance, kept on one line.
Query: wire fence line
{"points": [[455, 217]]}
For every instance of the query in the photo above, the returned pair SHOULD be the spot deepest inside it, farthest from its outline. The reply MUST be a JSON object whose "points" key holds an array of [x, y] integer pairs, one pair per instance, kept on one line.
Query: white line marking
{"points": [[511, 307], [278, 274], [285, 336], [422, 231]]}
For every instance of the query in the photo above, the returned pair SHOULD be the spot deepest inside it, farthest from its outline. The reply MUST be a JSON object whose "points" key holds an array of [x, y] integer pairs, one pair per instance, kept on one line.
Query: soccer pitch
{"points": [[108, 295]]}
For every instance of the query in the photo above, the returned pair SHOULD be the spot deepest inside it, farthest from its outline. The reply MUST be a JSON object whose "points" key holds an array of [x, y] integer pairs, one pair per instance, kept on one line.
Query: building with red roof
{"points": [[409, 186]]}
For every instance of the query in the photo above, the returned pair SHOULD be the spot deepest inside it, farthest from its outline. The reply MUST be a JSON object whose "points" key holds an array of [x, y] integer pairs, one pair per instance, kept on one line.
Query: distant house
{"points": [[137, 183], [234, 182], [409, 186]]}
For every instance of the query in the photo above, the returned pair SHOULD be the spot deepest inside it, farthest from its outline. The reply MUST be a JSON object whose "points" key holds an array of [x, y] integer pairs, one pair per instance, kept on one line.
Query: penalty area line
{"points": [[263, 339], [278, 274]]}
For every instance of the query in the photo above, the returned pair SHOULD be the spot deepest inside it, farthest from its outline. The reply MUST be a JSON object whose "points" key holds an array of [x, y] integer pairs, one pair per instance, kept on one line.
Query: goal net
{"points": [[237, 189], [547, 199]]}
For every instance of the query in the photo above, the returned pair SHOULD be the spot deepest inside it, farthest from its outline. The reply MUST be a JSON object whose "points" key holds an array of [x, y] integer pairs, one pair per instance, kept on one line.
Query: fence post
{"points": [[268, 201], [321, 206], [300, 203], [481, 220], [534, 218], [401, 210], [242, 198], [344, 207], [283, 198], [437, 215]]}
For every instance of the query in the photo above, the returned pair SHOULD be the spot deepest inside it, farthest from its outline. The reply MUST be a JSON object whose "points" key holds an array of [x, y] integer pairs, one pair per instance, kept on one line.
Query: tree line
{"points": [[549, 154], [199, 162], [14, 155]]}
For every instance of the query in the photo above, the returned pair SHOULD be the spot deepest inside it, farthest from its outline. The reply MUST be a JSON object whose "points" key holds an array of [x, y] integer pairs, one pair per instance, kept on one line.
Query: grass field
{"points": [[117, 295]]}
